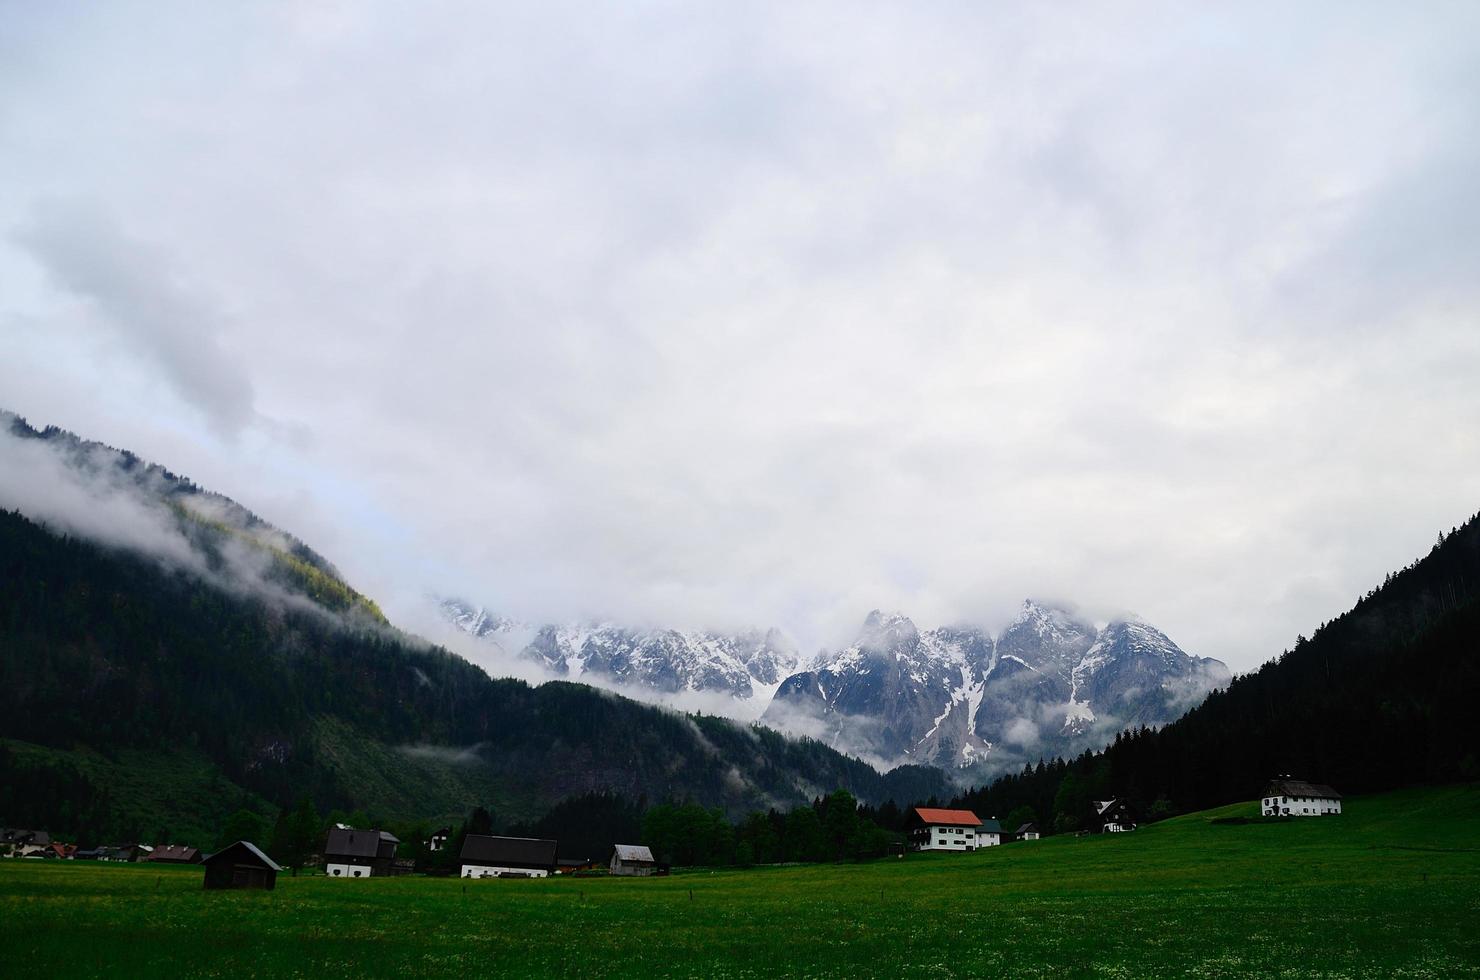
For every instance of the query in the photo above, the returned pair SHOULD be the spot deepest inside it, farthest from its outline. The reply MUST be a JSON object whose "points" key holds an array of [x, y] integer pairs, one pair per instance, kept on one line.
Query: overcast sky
{"points": [[770, 314]]}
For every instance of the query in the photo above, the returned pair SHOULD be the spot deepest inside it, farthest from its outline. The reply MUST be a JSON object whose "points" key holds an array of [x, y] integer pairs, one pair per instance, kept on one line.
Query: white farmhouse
{"points": [[633, 859], [933, 829], [484, 856], [1112, 817], [1286, 797]]}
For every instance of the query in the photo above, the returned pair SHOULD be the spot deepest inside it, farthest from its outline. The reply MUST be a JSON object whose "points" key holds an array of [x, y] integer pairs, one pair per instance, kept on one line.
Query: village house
{"points": [[174, 854], [26, 843], [439, 839], [1028, 831], [935, 829], [570, 865], [484, 856], [1286, 797], [350, 853], [633, 859], [1112, 817], [241, 865]]}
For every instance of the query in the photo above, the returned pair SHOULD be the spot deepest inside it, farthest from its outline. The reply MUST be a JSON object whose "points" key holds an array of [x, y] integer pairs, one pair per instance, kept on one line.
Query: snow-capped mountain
{"points": [[741, 665], [1051, 682]]}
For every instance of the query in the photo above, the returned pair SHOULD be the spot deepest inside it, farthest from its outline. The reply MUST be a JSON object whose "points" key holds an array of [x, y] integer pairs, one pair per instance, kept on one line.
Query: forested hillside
{"points": [[124, 680], [1380, 698]]}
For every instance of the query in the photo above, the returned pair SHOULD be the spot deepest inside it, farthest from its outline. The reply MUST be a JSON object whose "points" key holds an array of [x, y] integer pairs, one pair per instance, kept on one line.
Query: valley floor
{"points": [[1391, 888]]}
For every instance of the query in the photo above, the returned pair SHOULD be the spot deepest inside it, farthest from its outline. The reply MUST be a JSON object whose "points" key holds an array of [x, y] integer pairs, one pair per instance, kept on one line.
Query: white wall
{"points": [[347, 870], [493, 871], [1298, 806], [951, 839]]}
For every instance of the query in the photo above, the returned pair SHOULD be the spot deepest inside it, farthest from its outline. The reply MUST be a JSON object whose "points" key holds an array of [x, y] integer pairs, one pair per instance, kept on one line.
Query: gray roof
{"points": [[251, 848], [1028, 828], [355, 843], [1298, 787], [511, 851], [990, 827], [634, 852]]}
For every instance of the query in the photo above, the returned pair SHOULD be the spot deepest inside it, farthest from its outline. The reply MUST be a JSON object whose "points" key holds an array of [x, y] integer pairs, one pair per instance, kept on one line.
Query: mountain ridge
{"points": [[193, 640], [1050, 682]]}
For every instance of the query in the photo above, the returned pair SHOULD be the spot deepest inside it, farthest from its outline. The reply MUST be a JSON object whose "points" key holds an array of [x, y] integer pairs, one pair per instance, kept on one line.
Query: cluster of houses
{"points": [[38, 844], [352, 853], [935, 829]]}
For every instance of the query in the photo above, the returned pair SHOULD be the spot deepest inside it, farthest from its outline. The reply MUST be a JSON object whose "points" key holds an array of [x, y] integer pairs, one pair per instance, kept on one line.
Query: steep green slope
{"points": [[1382, 697], [105, 652], [1386, 890]]}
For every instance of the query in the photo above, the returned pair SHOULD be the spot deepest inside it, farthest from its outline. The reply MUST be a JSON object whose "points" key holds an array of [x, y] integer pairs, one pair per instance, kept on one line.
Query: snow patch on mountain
{"points": [[746, 665], [957, 696]]}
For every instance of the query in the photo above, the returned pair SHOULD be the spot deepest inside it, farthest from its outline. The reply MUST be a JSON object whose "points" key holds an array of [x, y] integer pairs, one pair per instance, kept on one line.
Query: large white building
{"points": [[933, 829], [484, 856], [1286, 797]]}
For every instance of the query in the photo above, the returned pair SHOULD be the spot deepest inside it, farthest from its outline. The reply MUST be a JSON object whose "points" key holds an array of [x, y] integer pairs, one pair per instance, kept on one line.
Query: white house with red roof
{"points": [[935, 829]]}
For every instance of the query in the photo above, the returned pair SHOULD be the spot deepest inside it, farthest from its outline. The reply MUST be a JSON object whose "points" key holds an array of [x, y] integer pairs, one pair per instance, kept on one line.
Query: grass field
{"points": [[1390, 888]]}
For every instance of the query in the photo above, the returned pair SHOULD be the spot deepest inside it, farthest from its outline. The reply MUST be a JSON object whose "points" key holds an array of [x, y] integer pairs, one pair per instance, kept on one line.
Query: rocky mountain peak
{"points": [[1051, 682], [886, 631], [666, 660]]}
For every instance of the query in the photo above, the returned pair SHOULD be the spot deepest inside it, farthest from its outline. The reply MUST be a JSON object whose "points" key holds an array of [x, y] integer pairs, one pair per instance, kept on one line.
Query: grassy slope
{"points": [[1391, 888]]}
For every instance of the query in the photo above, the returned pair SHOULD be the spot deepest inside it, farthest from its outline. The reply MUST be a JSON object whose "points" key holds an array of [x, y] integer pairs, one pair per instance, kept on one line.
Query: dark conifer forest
{"points": [[1382, 697], [116, 666]]}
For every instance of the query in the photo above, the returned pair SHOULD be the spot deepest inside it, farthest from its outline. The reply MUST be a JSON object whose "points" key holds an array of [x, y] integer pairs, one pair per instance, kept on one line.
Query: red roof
{"points": [[953, 817]]}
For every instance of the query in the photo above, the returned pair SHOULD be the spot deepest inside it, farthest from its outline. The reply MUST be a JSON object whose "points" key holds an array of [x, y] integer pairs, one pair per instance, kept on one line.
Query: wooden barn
{"points": [[1286, 797], [633, 859], [1028, 831], [241, 865], [484, 856], [350, 853]]}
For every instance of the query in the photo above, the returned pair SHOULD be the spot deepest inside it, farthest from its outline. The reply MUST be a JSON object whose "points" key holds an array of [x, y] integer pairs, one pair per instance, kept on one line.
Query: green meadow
{"points": [[1391, 888]]}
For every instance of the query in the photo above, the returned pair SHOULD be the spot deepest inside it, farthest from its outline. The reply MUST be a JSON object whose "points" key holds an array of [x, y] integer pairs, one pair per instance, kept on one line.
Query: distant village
{"points": [[351, 852]]}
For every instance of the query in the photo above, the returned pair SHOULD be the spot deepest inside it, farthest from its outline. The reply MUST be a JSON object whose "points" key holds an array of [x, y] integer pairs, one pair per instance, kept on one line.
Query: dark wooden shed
{"points": [[241, 865]]}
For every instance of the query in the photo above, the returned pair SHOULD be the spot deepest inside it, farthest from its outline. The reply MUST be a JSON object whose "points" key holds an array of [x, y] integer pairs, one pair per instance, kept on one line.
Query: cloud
{"points": [[464, 756], [90, 491], [1022, 732], [91, 500], [670, 315], [501, 654], [139, 292]]}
